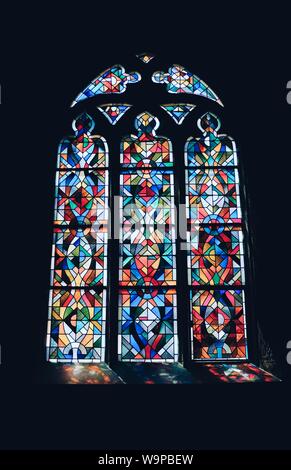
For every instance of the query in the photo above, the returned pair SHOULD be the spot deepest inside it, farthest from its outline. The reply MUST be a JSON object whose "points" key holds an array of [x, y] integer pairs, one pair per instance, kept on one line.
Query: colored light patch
{"points": [[83, 150], [178, 112], [147, 313]]}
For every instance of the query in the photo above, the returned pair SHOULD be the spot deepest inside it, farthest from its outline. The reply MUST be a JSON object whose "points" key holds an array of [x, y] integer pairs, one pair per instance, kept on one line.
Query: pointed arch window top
{"points": [[113, 80], [180, 80]]}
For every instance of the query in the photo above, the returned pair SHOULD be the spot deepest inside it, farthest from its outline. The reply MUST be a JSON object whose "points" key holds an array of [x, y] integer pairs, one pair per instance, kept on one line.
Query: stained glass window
{"points": [[216, 252], [178, 111], [133, 309], [147, 274], [77, 307]]}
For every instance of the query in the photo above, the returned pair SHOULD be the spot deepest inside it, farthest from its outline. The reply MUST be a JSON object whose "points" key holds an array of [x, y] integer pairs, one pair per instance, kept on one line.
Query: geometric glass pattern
{"points": [[178, 111], [211, 149], [112, 80], [180, 80], [215, 245], [240, 373], [76, 325], [89, 374], [147, 196], [81, 197], [146, 150], [146, 292], [78, 258], [145, 57], [147, 272], [77, 309], [218, 325], [147, 326], [214, 193], [216, 255], [113, 112]]}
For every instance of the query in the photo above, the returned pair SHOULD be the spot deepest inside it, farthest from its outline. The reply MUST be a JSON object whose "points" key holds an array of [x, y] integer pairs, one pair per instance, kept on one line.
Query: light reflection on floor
{"points": [[240, 373], [94, 374]]}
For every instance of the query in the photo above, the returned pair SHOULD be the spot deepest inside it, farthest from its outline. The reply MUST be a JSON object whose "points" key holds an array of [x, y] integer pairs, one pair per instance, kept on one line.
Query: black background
{"points": [[48, 56]]}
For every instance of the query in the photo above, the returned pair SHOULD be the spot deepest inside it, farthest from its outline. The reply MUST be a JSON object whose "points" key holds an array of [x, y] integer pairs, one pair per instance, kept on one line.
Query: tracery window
{"points": [[145, 324]]}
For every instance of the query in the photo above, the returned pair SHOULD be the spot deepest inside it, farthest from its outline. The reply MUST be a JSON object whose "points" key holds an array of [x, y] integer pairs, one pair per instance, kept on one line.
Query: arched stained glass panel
{"points": [[147, 276]]}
